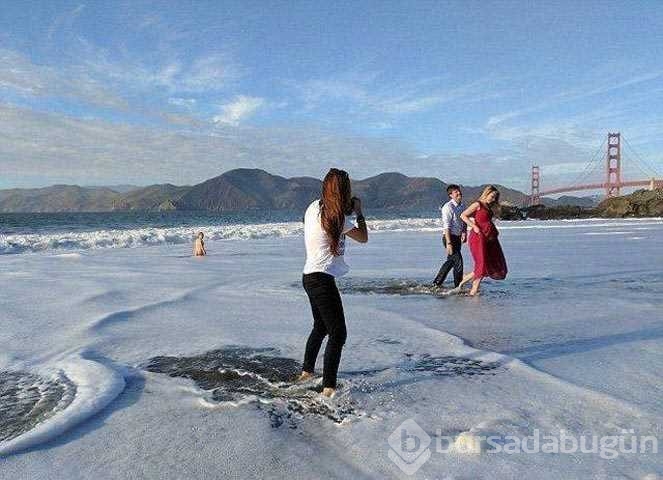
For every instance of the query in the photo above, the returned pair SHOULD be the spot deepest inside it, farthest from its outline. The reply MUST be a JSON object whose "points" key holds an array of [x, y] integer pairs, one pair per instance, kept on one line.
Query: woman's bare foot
{"points": [[329, 392], [475, 287], [468, 277], [304, 376]]}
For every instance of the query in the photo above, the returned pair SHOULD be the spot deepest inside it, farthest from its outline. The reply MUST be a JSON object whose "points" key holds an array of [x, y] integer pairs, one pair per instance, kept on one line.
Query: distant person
{"points": [[485, 247], [326, 224], [199, 245], [454, 234]]}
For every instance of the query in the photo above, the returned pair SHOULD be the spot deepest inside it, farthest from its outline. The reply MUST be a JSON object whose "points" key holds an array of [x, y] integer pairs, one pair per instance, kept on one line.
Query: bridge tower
{"points": [[613, 166], [535, 198]]}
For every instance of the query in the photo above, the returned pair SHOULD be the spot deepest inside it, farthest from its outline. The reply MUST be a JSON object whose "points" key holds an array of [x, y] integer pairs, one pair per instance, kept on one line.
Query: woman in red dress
{"points": [[485, 247]]}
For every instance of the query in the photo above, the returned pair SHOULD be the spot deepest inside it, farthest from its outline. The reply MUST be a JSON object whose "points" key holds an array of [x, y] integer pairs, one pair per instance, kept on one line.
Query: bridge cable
{"points": [[641, 160], [626, 159], [590, 167]]}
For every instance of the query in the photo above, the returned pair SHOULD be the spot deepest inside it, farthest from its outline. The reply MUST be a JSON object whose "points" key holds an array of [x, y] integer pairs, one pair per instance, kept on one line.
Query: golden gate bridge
{"points": [[611, 164]]}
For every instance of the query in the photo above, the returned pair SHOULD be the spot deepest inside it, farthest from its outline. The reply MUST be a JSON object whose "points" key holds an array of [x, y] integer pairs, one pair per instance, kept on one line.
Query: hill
{"points": [[642, 203], [244, 189], [58, 198]]}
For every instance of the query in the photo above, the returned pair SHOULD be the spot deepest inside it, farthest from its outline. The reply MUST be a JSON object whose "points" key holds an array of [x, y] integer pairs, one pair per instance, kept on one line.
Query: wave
{"points": [[140, 237], [76, 391]]}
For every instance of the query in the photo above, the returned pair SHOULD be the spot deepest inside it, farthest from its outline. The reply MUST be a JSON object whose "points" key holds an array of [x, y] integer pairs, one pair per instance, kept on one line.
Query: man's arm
{"points": [[447, 218]]}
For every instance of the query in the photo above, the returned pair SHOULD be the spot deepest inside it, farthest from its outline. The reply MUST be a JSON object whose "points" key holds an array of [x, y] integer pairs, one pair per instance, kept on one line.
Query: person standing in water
{"points": [[326, 224], [485, 247], [454, 233], [199, 245]]}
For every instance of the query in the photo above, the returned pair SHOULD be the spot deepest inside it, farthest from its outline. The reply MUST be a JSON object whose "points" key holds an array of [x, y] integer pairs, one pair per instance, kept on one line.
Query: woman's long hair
{"points": [[483, 198], [336, 202]]}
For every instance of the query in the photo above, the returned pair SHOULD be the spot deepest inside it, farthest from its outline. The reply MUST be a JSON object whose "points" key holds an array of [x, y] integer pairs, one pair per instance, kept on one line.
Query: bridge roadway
{"points": [[651, 183]]}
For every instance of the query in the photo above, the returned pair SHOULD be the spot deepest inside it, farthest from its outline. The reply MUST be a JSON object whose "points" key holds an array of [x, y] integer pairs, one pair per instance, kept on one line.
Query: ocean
{"points": [[34, 232]]}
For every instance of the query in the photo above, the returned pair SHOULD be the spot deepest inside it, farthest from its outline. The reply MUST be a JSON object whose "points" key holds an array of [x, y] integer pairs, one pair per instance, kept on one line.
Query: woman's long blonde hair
{"points": [[483, 198], [336, 202], [495, 206]]}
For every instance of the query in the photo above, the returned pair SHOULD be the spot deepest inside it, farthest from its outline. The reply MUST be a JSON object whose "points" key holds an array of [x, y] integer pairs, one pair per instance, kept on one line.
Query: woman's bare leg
{"points": [[476, 283], [466, 278]]}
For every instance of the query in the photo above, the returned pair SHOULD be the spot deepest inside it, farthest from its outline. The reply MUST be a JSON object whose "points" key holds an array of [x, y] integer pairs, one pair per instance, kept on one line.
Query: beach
{"points": [[114, 342]]}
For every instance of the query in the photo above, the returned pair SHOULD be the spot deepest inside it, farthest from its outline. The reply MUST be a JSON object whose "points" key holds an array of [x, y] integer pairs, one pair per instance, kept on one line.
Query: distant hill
{"points": [[154, 197], [58, 198], [246, 189], [116, 188], [569, 200], [395, 191], [250, 189], [243, 189]]}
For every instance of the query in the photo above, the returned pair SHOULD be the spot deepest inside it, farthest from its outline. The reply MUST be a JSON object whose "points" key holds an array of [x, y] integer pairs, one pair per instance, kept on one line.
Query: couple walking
{"points": [[485, 247]]}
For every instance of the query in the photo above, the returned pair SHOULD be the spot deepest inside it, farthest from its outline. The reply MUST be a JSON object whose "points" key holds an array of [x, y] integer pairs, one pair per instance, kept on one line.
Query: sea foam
{"points": [[140, 237], [93, 386]]}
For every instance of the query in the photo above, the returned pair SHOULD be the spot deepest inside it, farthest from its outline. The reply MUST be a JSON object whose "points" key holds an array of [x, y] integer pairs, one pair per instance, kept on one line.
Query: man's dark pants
{"points": [[455, 261]]}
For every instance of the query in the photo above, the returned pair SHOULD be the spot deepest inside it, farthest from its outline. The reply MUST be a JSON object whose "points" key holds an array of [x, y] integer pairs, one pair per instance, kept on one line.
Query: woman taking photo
{"points": [[326, 224], [485, 247]]}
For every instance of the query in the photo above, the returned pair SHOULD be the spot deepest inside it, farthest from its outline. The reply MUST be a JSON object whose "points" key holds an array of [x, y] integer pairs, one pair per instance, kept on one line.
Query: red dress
{"points": [[486, 250]]}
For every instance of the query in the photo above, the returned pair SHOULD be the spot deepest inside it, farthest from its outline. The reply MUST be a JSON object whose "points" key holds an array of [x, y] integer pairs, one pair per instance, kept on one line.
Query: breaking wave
{"points": [[149, 236], [141, 237]]}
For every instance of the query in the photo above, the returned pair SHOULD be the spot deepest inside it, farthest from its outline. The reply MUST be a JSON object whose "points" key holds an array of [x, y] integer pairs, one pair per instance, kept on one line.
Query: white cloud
{"points": [[64, 21], [19, 75], [204, 74], [598, 110], [186, 103], [241, 108], [208, 73], [563, 168], [96, 81], [50, 148], [370, 94], [93, 75]]}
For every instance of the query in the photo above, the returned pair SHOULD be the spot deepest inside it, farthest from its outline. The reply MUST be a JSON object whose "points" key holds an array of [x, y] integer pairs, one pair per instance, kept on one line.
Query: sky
{"points": [[472, 92]]}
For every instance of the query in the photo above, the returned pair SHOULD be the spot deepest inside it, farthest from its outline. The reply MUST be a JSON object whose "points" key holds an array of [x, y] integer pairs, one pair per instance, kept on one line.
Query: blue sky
{"points": [[150, 92]]}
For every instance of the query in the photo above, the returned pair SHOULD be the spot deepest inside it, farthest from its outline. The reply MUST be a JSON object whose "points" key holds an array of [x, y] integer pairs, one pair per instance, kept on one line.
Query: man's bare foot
{"points": [[304, 376], [328, 392]]}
